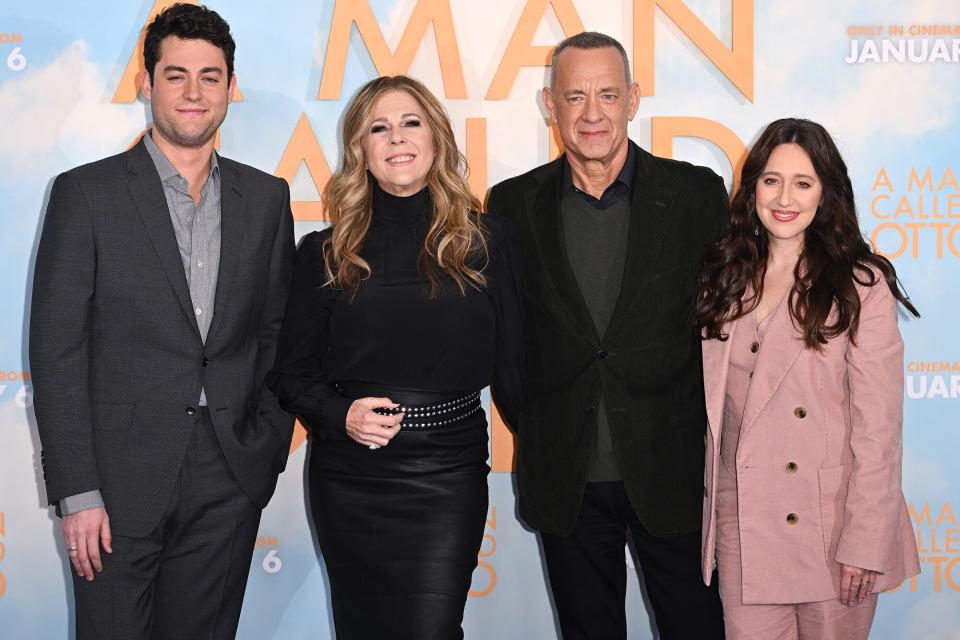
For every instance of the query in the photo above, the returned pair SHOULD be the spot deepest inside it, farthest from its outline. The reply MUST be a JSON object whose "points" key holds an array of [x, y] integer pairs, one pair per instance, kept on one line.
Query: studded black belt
{"points": [[421, 409]]}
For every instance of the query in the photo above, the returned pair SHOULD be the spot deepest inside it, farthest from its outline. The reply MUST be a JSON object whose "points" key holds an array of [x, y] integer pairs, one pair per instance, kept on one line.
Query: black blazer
{"points": [[117, 361], [647, 364]]}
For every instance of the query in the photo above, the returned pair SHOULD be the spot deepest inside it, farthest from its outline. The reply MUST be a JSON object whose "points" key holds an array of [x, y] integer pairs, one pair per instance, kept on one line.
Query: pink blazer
{"points": [[818, 463]]}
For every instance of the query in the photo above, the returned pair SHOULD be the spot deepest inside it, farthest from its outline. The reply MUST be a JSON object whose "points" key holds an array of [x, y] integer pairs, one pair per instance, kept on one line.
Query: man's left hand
{"points": [[84, 532]]}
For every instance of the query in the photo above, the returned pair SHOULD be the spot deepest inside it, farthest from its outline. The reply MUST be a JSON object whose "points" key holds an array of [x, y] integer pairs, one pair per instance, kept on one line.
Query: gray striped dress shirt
{"points": [[197, 227]]}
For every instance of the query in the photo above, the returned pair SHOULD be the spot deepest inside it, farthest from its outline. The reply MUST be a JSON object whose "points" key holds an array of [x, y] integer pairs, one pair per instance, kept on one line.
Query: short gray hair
{"points": [[589, 40]]}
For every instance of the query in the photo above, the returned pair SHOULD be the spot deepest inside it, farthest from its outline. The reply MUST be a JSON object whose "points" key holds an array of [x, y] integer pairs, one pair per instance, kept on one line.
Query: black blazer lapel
{"points": [[650, 207], [147, 192], [232, 219], [545, 220]]}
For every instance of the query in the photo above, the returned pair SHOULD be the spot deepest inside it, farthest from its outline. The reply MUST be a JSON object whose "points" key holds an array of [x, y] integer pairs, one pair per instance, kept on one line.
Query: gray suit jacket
{"points": [[117, 360]]}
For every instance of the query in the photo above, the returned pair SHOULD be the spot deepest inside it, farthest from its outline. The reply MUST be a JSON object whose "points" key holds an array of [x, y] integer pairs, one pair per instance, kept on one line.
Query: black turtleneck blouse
{"points": [[392, 333]]}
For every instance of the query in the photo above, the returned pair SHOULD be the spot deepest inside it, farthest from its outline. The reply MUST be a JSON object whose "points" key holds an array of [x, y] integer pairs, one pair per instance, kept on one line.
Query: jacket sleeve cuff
{"points": [[334, 417], [81, 502], [857, 555]]}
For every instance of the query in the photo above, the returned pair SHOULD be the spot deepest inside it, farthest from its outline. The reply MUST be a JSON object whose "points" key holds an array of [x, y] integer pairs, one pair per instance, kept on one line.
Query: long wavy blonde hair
{"points": [[455, 243]]}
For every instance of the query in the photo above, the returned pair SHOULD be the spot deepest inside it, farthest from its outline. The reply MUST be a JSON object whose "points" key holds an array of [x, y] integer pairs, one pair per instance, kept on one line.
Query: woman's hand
{"points": [[856, 584], [372, 429]]}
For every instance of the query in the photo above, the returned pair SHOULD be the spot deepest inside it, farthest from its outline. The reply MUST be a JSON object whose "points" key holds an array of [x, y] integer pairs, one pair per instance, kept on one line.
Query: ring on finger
{"points": [[71, 547], [373, 446]]}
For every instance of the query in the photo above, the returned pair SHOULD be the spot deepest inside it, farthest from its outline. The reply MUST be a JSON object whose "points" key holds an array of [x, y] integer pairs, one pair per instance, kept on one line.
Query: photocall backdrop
{"points": [[882, 75]]}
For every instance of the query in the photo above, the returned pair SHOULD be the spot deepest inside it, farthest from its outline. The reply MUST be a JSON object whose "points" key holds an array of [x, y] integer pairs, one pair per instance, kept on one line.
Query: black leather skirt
{"points": [[400, 527]]}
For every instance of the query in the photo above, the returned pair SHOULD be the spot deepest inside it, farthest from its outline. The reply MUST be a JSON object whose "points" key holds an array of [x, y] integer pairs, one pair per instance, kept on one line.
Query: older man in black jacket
{"points": [[612, 426]]}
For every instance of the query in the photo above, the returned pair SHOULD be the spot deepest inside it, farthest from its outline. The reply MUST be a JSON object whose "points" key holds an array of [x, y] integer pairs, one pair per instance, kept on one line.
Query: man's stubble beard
{"points": [[174, 136]]}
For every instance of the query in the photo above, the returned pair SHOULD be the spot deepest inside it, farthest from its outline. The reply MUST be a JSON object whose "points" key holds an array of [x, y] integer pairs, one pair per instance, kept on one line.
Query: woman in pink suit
{"points": [[803, 373]]}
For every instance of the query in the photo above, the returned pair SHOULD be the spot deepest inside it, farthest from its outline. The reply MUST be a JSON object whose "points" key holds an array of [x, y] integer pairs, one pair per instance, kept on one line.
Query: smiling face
{"points": [[591, 103], [788, 193], [398, 144], [190, 91]]}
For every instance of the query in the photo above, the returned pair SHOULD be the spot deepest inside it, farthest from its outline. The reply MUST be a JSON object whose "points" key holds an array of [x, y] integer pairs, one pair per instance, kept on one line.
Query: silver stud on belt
{"points": [[438, 423], [449, 412]]}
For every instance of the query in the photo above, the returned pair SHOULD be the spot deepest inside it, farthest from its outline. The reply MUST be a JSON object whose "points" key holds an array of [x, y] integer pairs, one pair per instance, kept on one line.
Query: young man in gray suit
{"points": [[161, 280]]}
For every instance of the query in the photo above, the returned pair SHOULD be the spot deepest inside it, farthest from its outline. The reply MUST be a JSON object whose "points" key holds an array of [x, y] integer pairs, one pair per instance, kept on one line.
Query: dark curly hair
{"points": [[188, 22], [835, 256]]}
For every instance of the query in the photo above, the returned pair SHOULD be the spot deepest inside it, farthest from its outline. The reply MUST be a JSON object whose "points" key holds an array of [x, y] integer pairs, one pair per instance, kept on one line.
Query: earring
{"points": [[756, 230]]}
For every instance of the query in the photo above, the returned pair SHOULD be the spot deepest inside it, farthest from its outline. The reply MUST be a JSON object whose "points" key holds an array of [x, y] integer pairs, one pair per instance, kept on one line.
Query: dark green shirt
{"points": [[595, 235]]}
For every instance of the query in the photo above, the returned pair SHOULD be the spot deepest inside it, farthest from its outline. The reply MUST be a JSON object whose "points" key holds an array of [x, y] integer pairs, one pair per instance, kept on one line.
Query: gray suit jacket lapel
{"points": [[232, 217], [147, 192]]}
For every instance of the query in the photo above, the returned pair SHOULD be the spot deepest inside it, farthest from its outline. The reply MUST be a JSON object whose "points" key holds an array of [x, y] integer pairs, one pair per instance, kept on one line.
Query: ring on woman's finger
{"points": [[374, 446], [71, 547]]}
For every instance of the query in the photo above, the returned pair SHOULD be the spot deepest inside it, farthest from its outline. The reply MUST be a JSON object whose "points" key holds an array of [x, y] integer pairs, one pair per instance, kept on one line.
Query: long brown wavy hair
{"points": [[455, 243], [835, 256]]}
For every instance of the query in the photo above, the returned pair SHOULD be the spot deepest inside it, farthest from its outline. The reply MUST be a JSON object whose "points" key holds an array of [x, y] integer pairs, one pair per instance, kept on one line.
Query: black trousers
{"points": [[186, 579], [588, 574]]}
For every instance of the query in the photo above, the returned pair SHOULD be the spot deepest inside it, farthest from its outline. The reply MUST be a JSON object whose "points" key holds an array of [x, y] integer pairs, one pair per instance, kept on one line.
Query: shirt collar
{"points": [[164, 167], [625, 177]]}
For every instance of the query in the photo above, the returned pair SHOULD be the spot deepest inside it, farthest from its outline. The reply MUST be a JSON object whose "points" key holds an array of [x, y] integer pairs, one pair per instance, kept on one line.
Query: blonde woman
{"points": [[400, 313]]}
